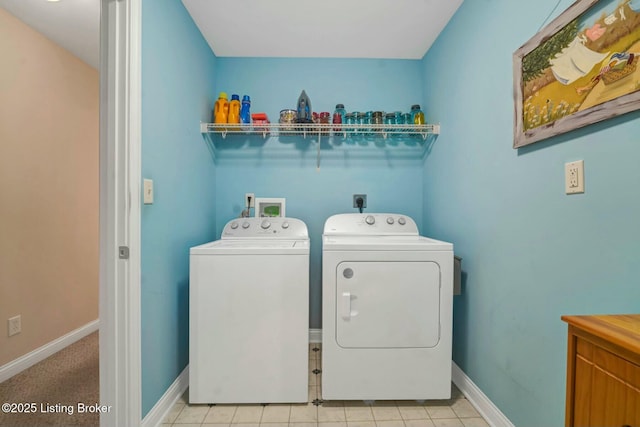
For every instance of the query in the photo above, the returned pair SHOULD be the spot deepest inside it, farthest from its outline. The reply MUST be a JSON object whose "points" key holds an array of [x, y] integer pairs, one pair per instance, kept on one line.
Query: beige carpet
{"points": [[56, 386]]}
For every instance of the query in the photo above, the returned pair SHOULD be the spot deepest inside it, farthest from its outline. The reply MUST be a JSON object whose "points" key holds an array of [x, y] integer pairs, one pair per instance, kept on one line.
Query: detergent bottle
{"points": [[221, 109], [245, 114], [234, 109]]}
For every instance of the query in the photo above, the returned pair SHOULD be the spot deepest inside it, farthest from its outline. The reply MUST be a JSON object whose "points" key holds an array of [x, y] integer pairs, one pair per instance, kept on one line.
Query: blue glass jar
{"points": [[390, 122], [361, 121], [406, 119], [349, 121], [339, 117]]}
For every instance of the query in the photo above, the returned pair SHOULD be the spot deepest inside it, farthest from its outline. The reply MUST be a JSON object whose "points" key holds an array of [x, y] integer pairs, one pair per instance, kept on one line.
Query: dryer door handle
{"points": [[346, 305]]}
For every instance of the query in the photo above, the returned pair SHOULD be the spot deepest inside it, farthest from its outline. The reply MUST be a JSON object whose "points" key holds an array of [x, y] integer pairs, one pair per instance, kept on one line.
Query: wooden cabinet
{"points": [[603, 371]]}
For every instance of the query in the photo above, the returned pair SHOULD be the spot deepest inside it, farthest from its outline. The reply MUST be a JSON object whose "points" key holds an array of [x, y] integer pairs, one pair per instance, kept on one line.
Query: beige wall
{"points": [[48, 189]]}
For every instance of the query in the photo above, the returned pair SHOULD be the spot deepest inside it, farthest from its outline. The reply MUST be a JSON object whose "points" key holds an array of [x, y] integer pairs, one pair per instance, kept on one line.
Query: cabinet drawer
{"points": [[616, 366]]}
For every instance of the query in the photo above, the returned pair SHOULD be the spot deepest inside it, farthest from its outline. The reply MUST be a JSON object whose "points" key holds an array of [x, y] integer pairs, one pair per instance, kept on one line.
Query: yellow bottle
{"points": [[234, 109], [221, 109]]}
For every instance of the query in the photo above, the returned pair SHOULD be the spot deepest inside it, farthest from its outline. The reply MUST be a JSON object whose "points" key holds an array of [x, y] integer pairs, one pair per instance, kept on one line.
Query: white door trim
{"points": [[120, 164]]}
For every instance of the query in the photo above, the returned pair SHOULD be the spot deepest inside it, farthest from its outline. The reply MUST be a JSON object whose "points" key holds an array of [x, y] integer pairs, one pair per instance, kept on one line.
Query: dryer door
{"points": [[388, 304]]}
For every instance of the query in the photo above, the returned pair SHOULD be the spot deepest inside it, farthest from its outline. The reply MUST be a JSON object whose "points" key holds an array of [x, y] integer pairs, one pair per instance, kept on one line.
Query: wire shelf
{"points": [[317, 129]]}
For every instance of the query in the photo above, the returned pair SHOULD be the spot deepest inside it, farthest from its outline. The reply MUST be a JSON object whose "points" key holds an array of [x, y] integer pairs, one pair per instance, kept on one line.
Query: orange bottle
{"points": [[234, 109], [221, 109]]}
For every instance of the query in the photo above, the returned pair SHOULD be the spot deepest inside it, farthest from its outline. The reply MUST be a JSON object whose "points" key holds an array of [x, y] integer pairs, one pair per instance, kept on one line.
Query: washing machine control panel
{"points": [[370, 224], [273, 228]]}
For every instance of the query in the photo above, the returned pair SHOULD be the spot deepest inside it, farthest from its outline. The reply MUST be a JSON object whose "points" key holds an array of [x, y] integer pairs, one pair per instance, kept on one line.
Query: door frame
{"points": [[120, 165]]}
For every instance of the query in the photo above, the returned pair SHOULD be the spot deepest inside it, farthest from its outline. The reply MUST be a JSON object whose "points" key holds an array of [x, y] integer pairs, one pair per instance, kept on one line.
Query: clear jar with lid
{"points": [[287, 119]]}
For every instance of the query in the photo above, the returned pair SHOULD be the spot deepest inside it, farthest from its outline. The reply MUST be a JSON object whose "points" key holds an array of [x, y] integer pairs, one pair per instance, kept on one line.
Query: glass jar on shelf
{"points": [[417, 115], [362, 121], [377, 120], [339, 117], [350, 120]]}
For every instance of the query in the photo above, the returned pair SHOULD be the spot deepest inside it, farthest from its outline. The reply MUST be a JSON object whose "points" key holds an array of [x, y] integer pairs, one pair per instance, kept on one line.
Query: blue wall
{"points": [[389, 172], [530, 252], [177, 92]]}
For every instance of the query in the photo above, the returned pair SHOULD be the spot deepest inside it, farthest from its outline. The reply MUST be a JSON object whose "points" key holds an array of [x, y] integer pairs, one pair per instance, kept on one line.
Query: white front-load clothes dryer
{"points": [[249, 314], [387, 296]]}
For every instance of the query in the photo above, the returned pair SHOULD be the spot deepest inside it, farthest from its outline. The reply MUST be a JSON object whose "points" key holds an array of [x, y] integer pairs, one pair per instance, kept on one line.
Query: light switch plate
{"points": [[574, 177], [148, 191]]}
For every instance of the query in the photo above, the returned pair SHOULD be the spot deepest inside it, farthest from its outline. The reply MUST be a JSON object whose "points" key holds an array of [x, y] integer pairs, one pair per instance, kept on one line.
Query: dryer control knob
{"points": [[265, 224], [234, 225], [402, 221], [389, 220], [285, 225], [245, 224], [370, 220]]}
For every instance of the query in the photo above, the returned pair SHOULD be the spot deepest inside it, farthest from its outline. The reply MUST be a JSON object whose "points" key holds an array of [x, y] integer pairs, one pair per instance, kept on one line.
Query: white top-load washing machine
{"points": [[387, 296], [249, 314]]}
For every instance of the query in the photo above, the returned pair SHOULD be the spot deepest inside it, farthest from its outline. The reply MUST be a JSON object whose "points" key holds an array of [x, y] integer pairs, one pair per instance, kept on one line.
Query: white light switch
{"points": [[574, 177], [148, 191]]}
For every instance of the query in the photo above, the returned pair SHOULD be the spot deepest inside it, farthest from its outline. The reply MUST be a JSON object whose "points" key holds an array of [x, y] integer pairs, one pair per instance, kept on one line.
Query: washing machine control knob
{"points": [[265, 224], [370, 220], [389, 220], [402, 221], [245, 224], [285, 225], [234, 225]]}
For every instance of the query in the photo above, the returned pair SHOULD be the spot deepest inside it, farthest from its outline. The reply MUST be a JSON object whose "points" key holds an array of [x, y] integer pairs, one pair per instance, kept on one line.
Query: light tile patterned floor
{"points": [[455, 412]]}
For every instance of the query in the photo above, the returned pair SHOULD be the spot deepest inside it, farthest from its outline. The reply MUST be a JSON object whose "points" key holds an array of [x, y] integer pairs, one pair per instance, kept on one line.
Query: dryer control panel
{"points": [[272, 228], [373, 224]]}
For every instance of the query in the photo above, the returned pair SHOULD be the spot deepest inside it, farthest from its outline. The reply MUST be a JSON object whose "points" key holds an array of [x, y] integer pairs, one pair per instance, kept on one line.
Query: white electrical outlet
{"points": [[14, 325], [249, 203], [574, 177], [148, 191]]}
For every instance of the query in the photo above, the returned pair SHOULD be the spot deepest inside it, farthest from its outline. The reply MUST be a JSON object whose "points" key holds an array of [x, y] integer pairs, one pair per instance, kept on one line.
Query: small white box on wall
{"points": [[270, 207]]}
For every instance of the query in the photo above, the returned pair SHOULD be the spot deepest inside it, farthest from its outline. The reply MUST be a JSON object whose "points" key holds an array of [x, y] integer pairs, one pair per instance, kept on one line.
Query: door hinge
{"points": [[123, 252]]}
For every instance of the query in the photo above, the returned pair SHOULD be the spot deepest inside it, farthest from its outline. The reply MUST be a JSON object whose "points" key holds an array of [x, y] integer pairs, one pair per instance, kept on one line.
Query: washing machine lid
{"points": [[252, 247]]}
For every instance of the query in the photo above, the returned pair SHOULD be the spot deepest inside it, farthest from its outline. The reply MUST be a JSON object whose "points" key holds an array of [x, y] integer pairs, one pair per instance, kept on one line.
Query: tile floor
{"points": [[456, 412]]}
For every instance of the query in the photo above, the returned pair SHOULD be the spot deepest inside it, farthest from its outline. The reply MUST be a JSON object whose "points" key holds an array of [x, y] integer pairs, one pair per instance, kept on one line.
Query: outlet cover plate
{"points": [[574, 177], [14, 325]]}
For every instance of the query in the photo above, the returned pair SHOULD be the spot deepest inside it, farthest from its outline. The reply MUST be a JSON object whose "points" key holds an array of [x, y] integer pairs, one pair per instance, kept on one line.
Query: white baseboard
{"points": [[478, 399], [39, 354], [161, 409], [315, 335]]}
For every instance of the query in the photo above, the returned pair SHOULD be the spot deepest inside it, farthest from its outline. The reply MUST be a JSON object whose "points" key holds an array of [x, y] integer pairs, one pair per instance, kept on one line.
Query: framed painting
{"points": [[580, 69]]}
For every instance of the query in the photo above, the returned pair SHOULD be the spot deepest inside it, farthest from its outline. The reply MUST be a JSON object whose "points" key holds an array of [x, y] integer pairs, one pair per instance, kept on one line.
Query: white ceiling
{"points": [[395, 29], [72, 24]]}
